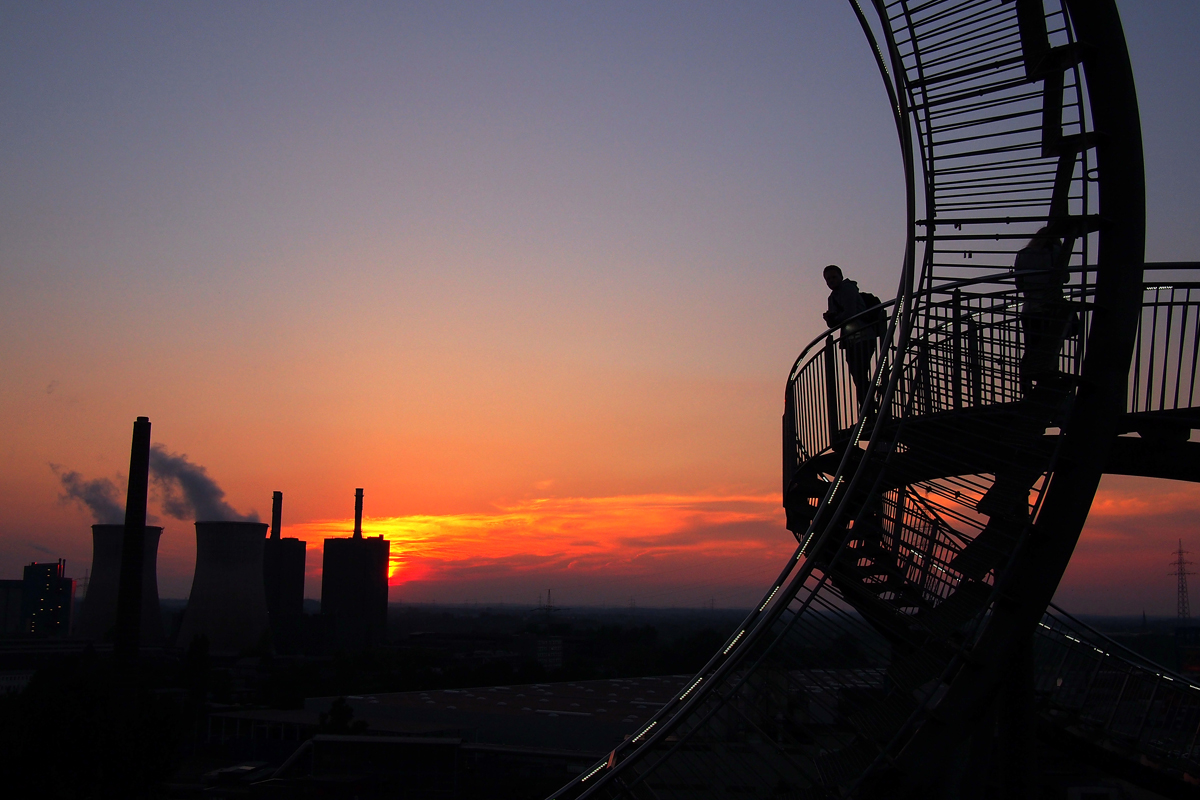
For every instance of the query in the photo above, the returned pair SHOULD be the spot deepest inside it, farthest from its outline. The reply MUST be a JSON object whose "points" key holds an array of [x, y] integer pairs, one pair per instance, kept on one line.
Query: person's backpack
{"points": [[877, 316]]}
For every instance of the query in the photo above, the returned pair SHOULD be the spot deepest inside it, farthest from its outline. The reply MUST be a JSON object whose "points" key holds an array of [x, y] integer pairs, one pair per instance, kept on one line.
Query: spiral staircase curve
{"points": [[909, 648]]}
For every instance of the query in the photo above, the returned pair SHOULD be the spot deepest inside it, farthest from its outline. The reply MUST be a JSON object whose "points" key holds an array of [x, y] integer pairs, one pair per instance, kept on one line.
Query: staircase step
{"points": [[847, 764], [880, 721], [964, 604], [989, 549]]}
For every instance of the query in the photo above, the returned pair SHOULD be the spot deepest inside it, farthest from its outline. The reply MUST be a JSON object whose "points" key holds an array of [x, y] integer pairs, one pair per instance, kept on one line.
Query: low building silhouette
{"points": [[354, 587], [47, 599]]}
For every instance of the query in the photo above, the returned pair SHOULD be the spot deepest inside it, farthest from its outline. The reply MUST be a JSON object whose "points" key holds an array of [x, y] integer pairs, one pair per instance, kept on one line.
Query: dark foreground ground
{"points": [[82, 728], [462, 702]]}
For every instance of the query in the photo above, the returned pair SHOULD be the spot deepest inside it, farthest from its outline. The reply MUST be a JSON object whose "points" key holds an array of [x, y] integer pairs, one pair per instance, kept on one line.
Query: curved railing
{"points": [[1162, 379], [935, 521], [1107, 703], [969, 355]]}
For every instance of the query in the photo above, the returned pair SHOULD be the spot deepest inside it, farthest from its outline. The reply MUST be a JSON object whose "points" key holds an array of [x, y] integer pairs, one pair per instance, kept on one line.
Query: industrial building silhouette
{"points": [[227, 604], [98, 612], [39, 604], [283, 580], [354, 587], [47, 599], [247, 590]]}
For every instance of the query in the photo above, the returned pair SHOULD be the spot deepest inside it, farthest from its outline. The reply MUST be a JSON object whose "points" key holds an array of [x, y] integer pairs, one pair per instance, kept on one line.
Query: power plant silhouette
{"points": [[283, 575], [228, 604], [354, 586], [98, 615], [247, 590]]}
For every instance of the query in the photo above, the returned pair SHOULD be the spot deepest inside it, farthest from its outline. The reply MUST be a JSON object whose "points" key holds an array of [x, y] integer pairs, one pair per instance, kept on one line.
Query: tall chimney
{"points": [[276, 514], [358, 513], [129, 592]]}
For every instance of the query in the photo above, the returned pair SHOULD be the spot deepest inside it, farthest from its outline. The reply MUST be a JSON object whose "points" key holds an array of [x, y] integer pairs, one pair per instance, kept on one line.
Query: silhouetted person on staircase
{"points": [[846, 307], [1041, 272]]}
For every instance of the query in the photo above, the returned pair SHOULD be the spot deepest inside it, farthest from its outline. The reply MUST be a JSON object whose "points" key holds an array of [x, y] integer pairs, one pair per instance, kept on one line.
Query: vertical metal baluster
{"points": [[1150, 370], [1087, 691], [925, 399], [1149, 706], [790, 435], [1117, 703], [1179, 365], [1195, 348], [1192, 744], [1162, 392], [956, 353], [1137, 359], [831, 403], [973, 366]]}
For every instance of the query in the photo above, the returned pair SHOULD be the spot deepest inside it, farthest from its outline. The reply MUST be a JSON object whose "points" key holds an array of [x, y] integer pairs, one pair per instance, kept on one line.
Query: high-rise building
{"points": [[354, 587], [47, 598]]}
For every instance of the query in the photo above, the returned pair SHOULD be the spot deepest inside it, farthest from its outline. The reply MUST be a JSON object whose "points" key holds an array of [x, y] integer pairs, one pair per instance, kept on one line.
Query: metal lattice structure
{"points": [[907, 642], [1183, 608]]}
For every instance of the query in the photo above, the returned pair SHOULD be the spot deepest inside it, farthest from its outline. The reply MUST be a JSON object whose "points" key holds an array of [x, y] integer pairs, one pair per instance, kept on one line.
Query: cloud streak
{"points": [[187, 490]]}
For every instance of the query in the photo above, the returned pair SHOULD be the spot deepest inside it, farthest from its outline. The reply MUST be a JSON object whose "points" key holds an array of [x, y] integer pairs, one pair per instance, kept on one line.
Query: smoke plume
{"points": [[188, 492], [100, 495]]}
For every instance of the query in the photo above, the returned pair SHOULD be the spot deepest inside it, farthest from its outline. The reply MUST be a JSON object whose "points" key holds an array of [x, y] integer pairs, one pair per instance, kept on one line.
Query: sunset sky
{"points": [[532, 274]]}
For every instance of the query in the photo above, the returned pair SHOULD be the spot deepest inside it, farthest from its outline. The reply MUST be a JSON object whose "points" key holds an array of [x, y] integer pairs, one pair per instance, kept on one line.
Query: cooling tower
{"points": [[98, 616], [227, 603]]}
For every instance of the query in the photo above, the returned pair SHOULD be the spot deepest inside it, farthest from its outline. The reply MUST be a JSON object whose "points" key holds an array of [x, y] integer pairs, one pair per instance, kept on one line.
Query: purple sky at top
{"points": [[451, 250]]}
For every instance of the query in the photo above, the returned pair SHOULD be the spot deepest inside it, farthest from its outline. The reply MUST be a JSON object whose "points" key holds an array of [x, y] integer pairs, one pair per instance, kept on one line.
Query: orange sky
{"points": [[532, 274], [653, 549], [1122, 563]]}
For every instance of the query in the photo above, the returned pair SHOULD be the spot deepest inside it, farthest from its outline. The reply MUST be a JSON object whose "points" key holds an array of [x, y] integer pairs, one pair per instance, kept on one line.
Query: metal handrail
{"points": [[1123, 651], [941, 288], [977, 370], [1167, 350], [1119, 695]]}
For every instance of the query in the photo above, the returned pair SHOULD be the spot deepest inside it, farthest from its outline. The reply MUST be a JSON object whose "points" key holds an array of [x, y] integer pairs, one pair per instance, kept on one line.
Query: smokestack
{"points": [[276, 514], [129, 593], [358, 513], [227, 604], [99, 612]]}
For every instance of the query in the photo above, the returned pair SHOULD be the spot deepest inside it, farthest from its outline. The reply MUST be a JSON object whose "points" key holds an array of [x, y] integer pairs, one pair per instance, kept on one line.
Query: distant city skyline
{"points": [[531, 274]]}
